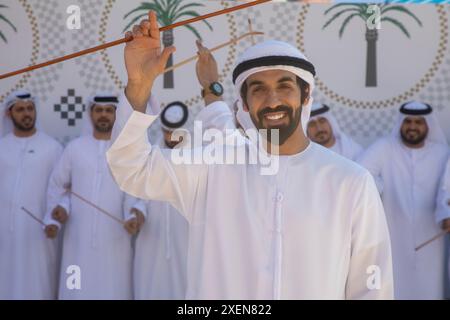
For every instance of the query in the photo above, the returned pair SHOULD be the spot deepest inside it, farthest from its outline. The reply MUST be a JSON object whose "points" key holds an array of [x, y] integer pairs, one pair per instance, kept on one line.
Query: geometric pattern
{"points": [[71, 108]]}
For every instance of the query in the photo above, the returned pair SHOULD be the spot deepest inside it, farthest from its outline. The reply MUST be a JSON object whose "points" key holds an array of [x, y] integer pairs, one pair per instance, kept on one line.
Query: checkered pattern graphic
{"points": [[71, 108], [51, 21], [91, 68]]}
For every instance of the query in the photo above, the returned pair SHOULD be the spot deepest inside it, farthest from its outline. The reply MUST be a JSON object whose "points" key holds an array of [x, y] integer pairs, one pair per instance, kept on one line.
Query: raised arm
{"points": [[140, 169], [216, 113]]}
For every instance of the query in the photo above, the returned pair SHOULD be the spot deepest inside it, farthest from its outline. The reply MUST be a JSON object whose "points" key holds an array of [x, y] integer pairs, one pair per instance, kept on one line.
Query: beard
{"points": [[322, 138], [103, 126], [27, 124], [413, 140], [172, 144], [283, 131]]}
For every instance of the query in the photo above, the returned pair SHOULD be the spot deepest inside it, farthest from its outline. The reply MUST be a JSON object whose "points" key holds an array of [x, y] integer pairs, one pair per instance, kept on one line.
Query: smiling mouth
{"points": [[274, 116]]}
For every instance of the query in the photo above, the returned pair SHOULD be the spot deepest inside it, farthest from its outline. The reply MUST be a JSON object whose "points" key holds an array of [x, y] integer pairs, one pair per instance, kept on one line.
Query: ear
{"points": [[8, 113], [307, 91], [245, 107], [307, 100]]}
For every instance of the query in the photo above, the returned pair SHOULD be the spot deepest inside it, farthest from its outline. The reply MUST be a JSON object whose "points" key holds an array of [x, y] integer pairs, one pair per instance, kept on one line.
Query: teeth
{"points": [[275, 117]]}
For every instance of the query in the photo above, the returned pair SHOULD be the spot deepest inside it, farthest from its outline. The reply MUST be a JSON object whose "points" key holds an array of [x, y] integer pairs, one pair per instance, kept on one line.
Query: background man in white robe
{"points": [[324, 129], [443, 219], [254, 236], [97, 244], [160, 258], [27, 157], [407, 166]]}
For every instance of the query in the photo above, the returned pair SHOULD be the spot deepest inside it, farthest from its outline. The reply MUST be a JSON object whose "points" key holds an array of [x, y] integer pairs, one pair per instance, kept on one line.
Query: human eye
{"points": [[258, 89]]}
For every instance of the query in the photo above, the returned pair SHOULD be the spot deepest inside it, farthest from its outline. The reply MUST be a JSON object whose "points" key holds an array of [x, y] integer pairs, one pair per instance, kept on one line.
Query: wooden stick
{"points": [[439, 235], [96, 207], [128, 39], [182, 63], [33, 216], [250, 28]]}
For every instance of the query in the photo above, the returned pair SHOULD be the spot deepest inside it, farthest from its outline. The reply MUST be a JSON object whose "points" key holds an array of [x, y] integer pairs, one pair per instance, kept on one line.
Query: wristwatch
{"points": [[215, 88]]}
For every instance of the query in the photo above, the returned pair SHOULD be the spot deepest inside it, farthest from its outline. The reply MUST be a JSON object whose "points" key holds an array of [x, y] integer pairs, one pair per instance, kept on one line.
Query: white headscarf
{"points": [[102, 99], [348, 147], [6, 125], [435, 133], [319, 110], [272, 55]]}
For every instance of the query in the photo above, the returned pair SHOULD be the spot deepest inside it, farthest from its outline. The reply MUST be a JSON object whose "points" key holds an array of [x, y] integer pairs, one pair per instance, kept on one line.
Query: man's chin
{"points": [[26, 128]]}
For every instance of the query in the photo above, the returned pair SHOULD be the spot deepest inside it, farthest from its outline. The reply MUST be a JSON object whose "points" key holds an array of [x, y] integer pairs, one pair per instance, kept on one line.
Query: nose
{"points": [[273, 101], [28, 113], [413, 126], [320, 127]]}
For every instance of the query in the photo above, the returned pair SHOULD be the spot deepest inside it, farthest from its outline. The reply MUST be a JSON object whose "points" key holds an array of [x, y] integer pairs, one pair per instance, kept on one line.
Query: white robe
{"points": [[312, 231], [100, 246], [443, 197], [160, 256], [27, 258], [443, 212], [408, 179], [346, 147]]}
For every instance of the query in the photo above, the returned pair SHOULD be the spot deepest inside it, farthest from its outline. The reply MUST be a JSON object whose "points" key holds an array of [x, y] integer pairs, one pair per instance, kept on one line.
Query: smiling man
{"points": [[324, 130], [312, 230], [407, 167]]}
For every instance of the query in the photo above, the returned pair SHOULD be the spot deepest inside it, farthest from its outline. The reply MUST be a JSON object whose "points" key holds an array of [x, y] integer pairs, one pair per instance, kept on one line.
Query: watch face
{"points": [[217, 89]]}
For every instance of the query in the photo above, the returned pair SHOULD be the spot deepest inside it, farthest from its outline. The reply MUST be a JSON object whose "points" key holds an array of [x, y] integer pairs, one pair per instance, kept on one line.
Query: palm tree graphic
{"points": [[360, 10], [168, 12], [4, 19]]}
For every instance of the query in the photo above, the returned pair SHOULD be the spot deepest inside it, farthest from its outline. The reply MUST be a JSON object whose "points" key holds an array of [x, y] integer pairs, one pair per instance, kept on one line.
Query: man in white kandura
{"points": [[27, 157], [443, 219], [96, 243], [161, 246], [313, 229], [324, 129], [407, 166]]}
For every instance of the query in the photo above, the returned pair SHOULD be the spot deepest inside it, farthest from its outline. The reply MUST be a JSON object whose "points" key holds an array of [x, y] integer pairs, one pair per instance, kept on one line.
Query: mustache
{"points": [[280, 108], [320, 132], [27, 118], [103, 120]]}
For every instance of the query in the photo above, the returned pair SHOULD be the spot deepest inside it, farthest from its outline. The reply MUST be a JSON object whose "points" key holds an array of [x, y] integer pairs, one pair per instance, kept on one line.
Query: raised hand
{"points": [[207, 69], [144, 60]]}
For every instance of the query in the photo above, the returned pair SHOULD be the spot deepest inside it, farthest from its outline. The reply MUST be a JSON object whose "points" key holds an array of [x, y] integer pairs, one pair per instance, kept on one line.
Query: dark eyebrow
{"points": [[286, 79], [255, 83]]}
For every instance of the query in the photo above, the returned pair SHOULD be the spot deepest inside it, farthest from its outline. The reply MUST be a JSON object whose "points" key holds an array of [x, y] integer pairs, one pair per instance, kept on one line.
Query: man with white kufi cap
{"points": [[27, 157], [309, 230], [407, 166], [324, 129], [97, 244]]}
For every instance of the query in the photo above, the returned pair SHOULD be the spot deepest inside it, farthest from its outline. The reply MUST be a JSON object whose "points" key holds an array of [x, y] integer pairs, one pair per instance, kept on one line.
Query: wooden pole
{"points": [[128, 39]]}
